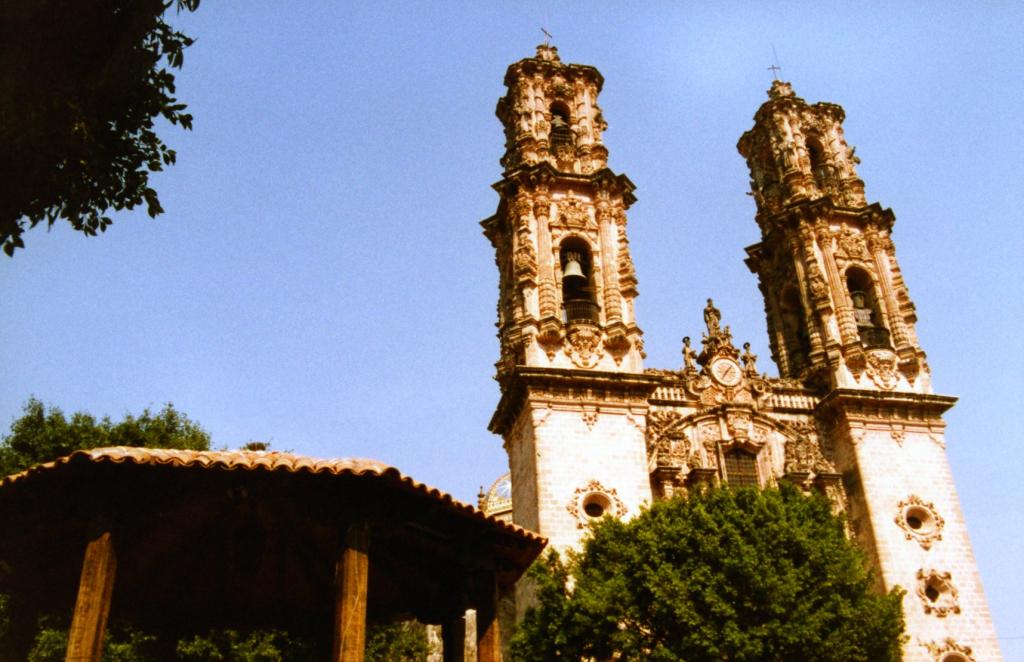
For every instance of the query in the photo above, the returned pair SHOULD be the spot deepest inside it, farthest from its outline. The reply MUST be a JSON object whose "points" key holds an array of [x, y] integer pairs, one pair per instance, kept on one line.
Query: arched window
{"points": [[820, 168], [794, 329], [866, 312], [561, 131], [577, 282], [741, 469]]}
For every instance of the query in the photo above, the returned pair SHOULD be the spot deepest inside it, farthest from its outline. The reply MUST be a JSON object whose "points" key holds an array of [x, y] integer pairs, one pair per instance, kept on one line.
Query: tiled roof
{"points": [[263, 461]]}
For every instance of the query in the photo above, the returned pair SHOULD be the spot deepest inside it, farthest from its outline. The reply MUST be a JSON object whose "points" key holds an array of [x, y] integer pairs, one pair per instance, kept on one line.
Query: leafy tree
{"points": [[81, 83], [397, 642], [42, 434], [727, 574], [252, 646], [122, 644]]}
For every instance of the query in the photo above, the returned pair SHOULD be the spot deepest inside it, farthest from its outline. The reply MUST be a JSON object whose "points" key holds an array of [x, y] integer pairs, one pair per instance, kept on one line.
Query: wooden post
{"points": [[453, 639], [488, 634], [92, 606], [350, 581]]}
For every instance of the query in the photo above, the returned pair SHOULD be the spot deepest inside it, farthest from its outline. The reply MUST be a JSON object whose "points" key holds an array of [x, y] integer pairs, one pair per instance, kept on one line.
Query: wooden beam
{"points": [[488, 633], [453, 639], [89, 624], [350, 580]]}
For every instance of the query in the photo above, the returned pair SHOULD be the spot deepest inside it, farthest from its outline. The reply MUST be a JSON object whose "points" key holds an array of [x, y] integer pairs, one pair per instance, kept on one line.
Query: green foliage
{"points": [[42, 434], [253, 646], [51, 644], [743, 575], [81, 83], [397, 642]]}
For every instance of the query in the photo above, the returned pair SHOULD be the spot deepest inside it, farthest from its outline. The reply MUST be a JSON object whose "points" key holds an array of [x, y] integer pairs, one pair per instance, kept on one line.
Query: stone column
{"points": [[844, 311], [351, 573], [612, 296], [542, 212], [876, 247]]}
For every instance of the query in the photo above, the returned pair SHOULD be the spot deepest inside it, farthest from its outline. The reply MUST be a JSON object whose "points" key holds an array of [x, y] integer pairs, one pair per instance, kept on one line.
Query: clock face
{"points": [[726, 372]]}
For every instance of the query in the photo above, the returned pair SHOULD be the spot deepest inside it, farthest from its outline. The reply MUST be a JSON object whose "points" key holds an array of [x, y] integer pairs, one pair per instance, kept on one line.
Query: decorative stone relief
{"points": [[919, 521], [949, 651], [668, 442], [593, 501], [573, 213], [803, 455], [583, 345], [881, 368], [937, 593], [526, 261], [851, 244]]}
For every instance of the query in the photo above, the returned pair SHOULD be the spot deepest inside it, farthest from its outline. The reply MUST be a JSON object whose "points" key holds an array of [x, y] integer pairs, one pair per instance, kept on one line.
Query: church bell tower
{"points": [[574, 394], [841, 324]]}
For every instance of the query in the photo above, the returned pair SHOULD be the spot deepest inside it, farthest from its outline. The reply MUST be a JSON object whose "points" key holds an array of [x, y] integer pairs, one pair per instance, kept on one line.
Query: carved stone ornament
{"points": [[937, 593], [851, 244], [881, 368], [949, 651], [526, 261], [583, 345], [803, 455], [919, 521], [668, 442], [573, 214], [819, 289], [593, 501]]}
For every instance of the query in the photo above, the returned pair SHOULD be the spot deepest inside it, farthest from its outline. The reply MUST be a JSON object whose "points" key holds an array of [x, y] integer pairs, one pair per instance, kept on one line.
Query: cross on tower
{"points": [[775, 69], [547, 37]]}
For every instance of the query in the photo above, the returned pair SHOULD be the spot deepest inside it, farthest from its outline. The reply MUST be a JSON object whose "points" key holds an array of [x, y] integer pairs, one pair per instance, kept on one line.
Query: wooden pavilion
{"points": [[177, 541]]}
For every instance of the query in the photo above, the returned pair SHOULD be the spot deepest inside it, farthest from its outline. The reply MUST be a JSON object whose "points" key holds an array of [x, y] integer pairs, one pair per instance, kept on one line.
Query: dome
{"points": [[497, 500]]}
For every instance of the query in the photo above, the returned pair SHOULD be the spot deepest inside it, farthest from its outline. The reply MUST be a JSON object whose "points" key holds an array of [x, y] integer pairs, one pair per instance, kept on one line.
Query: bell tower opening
{"points": [[866, 312], [577, 282], [794, 327], [561, 131], [820, 168]]}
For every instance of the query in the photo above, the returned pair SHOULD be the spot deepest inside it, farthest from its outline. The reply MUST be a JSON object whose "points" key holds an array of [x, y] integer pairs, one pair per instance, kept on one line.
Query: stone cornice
{"points": [[872, 215], [855, 404], [543, 171], [532, 65], [524, 383]]}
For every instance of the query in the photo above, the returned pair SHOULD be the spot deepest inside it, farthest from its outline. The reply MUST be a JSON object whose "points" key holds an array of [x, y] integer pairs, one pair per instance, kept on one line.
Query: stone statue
{"points": [[689, 355], [749, 360], [712, 317]]}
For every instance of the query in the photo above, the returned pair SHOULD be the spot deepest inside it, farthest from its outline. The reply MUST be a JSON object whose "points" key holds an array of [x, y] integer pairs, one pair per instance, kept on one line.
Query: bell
{"points": [[573, 268]]}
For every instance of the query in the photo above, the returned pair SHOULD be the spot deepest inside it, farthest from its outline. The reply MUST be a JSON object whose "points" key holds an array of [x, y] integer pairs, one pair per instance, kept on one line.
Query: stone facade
{"points": [[590, 432]]}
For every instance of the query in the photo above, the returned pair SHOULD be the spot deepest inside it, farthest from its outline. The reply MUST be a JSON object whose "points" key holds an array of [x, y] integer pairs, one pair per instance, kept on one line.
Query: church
{"points": [[590, 430]]}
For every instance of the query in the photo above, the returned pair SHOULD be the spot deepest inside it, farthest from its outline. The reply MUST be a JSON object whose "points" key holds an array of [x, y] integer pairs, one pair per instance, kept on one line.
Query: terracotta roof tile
{"points": [[263, 461]]}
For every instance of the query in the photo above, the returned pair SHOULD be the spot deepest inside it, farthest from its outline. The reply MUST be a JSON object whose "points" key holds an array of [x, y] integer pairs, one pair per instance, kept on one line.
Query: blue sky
{"points": [[320, 281]]}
